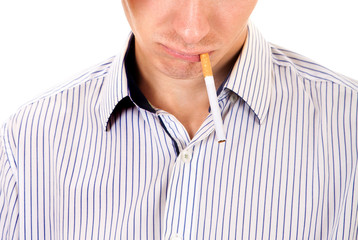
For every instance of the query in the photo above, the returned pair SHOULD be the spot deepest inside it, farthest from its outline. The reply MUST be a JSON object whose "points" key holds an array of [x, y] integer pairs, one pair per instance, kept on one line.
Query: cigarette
{"points": [[213, 98]]}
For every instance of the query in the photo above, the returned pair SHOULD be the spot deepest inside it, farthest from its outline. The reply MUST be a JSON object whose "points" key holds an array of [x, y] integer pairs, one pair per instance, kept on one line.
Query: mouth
{"points": [[185, 56]]}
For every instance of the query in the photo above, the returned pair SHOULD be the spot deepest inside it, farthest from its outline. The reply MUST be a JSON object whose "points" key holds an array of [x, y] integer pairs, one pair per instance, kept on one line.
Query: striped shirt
{"points": [[85, 161]]}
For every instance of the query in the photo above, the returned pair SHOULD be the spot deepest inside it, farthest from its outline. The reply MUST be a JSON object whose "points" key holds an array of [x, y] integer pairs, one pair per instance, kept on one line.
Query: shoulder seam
{"points": [[92, 73], [339, 79]]}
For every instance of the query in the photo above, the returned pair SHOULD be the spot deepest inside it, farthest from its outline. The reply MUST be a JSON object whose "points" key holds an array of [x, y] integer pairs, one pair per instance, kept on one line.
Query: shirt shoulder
{"points": [[310, 70], [87, 76], [332, 97], [56, 103]]}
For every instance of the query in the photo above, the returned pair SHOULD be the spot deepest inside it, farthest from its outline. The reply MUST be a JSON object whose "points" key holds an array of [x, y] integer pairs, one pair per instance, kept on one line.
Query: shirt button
{"points": [[186, 155], [233, 98], [175, 237]]}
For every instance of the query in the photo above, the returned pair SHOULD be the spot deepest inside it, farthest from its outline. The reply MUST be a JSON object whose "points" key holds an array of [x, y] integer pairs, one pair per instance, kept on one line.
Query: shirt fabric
{"points": [[86, 161]]}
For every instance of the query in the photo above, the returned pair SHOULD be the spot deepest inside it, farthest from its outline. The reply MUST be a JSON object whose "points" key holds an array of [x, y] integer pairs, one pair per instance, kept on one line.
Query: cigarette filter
{"points": [[213, 98]]}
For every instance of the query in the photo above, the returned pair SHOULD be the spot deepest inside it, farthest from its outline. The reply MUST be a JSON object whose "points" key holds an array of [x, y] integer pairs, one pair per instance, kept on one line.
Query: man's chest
{"points": [[140, 181]]}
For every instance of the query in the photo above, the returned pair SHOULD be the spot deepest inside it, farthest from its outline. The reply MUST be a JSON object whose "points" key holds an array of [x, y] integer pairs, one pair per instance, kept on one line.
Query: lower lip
{"points": [[181, 56]]}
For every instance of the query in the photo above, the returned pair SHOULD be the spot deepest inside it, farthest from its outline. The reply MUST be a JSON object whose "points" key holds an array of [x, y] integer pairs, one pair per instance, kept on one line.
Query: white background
{"points": [[44, 43]]}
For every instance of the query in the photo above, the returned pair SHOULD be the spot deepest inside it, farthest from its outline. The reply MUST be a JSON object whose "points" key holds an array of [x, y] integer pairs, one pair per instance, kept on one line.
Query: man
{"points": [[128, 150]]}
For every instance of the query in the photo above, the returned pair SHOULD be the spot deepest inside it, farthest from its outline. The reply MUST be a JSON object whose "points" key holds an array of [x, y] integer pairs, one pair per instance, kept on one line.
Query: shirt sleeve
{"points": [[9, 207]]}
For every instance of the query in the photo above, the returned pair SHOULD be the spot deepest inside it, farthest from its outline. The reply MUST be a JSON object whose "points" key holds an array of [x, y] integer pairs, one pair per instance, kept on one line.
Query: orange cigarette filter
{"points": [[205, 63]]}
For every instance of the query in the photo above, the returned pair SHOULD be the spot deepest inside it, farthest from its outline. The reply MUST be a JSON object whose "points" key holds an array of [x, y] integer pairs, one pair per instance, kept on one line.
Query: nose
{"points": [[191, 21]]}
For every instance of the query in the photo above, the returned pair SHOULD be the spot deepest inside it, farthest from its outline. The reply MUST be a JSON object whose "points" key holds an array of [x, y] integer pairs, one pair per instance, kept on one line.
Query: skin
{"points": [[170, 35]]}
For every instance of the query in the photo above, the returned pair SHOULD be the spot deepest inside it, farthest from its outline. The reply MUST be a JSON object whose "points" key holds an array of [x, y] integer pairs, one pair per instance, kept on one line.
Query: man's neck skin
{"points": [[186, 99]]}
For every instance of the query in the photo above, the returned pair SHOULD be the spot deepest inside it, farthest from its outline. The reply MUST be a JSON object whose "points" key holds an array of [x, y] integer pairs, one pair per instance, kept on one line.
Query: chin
{"points": [[181, 70]]}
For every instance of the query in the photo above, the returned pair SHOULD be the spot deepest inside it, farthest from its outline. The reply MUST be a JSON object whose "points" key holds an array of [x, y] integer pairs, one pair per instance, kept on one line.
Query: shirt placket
{"points": [[180, 210]]}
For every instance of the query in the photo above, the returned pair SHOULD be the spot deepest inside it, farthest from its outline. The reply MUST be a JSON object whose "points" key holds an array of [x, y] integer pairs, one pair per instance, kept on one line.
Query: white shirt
{"points": [[84, 162]]}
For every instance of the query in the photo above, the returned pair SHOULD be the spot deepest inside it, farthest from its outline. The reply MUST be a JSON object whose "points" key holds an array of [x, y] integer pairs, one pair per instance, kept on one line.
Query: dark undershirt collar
{"points": [[132, 76]]}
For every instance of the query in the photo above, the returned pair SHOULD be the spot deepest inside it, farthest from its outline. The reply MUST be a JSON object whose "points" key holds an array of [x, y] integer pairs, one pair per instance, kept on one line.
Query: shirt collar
{"points": [[115, 88], [250, 78], [251, 75]]}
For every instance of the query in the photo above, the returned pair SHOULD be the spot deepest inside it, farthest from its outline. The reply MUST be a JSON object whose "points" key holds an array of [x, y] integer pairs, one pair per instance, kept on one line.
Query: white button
{"points": [[175, 237], [233, 98], [186, 155]]}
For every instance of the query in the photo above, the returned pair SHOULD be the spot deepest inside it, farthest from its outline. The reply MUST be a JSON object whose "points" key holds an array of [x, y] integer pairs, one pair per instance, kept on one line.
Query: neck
{"points": [[185, 99]]}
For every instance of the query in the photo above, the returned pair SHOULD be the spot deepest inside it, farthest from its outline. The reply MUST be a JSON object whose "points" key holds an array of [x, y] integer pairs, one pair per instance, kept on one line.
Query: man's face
{"points": [[170, 34]]}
